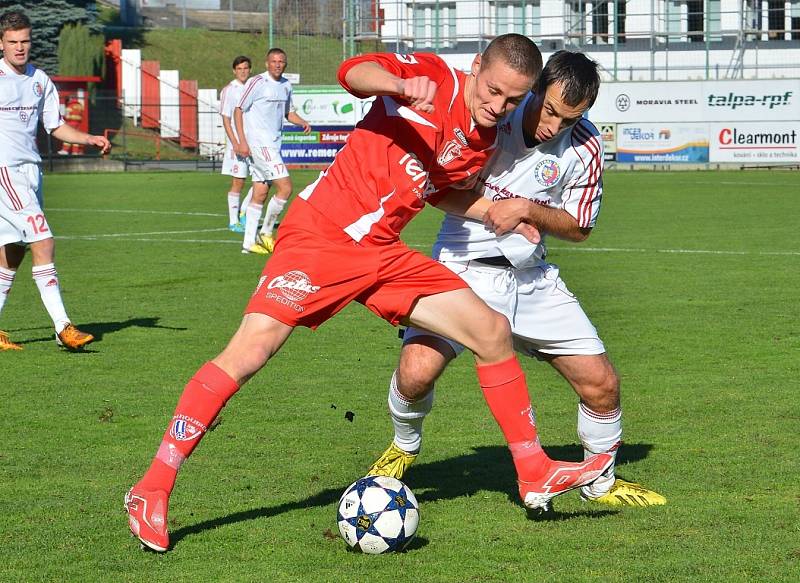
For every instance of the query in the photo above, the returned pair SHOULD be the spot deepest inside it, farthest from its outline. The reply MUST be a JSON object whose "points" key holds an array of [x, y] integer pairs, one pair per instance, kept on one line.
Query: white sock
{"points": [[233, 208], [247, 199], [274, 210], [6, 280], [599, 433], [46, 280], [407, 417], [251, 224]]}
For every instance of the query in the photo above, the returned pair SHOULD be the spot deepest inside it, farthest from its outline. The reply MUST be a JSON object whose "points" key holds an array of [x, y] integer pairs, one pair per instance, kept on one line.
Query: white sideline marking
{"points": [[687, 251], [216, 229], [136, 212], [145, 240]]}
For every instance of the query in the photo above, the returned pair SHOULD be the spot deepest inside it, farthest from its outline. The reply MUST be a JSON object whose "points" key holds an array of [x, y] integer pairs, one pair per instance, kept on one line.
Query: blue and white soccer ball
{"points": [[378, 515]]}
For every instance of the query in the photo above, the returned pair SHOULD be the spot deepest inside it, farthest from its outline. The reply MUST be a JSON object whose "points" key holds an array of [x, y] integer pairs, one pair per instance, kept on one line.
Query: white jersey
{"points": [[228, 99], [24, 99], [265, 103], [564, 172]]}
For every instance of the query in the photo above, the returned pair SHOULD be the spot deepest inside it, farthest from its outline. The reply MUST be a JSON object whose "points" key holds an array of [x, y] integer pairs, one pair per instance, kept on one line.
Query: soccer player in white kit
{"points": [[265, 103], [547, 172], [233, 165], [27, 95]]}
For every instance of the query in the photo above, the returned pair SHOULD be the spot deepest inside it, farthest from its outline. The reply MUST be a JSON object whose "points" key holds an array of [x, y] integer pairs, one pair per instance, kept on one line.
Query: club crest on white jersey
{"points": [[547, 172]]}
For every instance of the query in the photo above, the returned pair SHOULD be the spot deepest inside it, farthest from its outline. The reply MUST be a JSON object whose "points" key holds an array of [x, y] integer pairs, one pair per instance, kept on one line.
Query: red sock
{"points": [[506, 393], [202, 399]]}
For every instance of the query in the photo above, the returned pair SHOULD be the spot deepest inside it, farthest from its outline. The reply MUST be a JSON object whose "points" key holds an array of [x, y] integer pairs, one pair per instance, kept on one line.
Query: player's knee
{"points": [[416, 375], [602, 393], [493, 339]]}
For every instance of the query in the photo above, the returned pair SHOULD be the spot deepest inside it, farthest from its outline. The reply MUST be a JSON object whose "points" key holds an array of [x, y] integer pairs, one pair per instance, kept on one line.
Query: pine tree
{"points": [[48, 18]]}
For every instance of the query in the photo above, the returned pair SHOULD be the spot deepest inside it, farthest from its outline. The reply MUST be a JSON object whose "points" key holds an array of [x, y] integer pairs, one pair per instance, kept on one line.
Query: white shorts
{"points": [[233, 165], [21, 216], [266, 164], [545, 317]]}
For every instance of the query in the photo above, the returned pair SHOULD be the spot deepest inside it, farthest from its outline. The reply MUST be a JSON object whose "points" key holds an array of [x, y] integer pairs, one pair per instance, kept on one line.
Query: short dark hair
{"points": [[517, 51], [241, 59], [578, 74], [275, 51], [13, 20]]}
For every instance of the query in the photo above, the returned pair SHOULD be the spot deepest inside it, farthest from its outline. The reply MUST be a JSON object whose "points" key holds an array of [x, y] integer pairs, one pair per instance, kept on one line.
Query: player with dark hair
{"points": [[431, 127], [233, 165], [27, 95], [546, 171], [265, 102]]}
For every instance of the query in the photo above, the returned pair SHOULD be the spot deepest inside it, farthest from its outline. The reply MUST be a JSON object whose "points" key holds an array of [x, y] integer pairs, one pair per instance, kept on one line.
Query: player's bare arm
{"points": [[226, 124], [504, 215], [292, 117], [372, 79], [67, 133], [241, 147], [472, 205]]}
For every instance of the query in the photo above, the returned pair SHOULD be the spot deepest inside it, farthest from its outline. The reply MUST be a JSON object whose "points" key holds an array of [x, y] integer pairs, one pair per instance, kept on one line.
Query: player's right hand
{"points": [[419, 92], [242, 150]]}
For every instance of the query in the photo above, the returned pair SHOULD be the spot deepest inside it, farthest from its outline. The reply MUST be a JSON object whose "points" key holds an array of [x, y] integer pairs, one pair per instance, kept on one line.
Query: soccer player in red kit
{"points": [[430, 127]]}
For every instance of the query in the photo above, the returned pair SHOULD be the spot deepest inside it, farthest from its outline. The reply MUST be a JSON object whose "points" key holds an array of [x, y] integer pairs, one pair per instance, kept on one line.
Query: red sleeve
{"points": [[404, 66]]}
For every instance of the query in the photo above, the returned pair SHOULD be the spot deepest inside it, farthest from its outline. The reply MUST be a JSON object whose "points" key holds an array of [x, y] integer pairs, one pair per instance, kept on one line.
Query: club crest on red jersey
{"points": [[547, 172], [450, 152]]}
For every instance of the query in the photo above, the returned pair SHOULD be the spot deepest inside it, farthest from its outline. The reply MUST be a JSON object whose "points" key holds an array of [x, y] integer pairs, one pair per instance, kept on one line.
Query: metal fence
{"points": [[633, 39]]}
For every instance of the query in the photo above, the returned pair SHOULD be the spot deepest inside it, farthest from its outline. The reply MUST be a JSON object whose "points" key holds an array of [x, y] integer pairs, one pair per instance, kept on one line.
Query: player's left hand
{"points": [[504, 215], [99, 142], [306, 128]]}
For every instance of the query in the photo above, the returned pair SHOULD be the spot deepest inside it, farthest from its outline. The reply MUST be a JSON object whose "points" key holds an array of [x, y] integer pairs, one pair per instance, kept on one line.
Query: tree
{"points": [[48, 18], [79, 51]]}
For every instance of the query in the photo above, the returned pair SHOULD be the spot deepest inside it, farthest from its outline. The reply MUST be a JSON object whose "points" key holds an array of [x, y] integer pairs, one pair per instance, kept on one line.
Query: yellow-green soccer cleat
{"points": [[393, 463], [624, 493], [266, 241]]}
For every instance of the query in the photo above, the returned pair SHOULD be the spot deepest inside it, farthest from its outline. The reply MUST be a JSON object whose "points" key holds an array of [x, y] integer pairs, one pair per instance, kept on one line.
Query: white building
{"points": [[633, 39]]}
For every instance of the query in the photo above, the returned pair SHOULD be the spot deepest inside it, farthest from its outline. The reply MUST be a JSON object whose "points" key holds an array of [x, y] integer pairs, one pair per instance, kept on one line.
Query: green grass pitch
{"points": [[692, 279]]}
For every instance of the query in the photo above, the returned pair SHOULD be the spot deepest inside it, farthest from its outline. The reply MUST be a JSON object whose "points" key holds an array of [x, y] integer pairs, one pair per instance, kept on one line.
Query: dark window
{"points": [[776, 19], [620, 16], [600, 21], [695, 24]]}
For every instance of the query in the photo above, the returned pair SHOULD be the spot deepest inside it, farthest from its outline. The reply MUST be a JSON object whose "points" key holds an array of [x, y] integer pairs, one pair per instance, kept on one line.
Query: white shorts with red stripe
{"points": [[267, 164], [546, 318], [233, 165], [21, 216]]}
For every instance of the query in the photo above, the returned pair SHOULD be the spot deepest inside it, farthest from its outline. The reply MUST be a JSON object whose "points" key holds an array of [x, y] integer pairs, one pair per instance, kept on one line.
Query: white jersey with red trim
{"points": [[398, 158], [24, 99], [228, 99], [564, 173], [265, 103]]}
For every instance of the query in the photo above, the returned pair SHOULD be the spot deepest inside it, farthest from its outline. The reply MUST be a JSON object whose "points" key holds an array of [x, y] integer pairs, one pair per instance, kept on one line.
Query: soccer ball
{"points": [[377, 515]]}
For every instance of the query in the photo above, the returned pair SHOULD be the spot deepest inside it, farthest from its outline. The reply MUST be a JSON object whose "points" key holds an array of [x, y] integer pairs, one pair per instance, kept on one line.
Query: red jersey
{"points": [[397, 157]]}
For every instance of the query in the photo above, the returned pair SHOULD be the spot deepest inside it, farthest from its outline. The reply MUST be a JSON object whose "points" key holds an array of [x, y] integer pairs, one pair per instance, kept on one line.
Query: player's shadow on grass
{"points": [[487, 468], [99, 329]]}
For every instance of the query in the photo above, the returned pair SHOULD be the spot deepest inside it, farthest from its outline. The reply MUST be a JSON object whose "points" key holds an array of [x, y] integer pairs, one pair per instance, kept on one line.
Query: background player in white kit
{"points": [[259, 115], [26, 94], [233, 165], [547, 172]]}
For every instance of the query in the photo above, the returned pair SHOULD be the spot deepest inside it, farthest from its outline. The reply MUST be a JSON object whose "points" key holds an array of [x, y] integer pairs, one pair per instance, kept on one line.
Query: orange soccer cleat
{"points": [[6, 344], [73, 339]]}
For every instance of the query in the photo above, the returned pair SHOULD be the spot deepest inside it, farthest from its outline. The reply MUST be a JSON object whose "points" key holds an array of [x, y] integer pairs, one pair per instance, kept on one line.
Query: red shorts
{"points": [[316, 269]]}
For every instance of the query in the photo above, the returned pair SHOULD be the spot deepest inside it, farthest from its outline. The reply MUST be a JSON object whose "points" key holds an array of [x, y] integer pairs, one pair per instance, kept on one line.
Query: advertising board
{"points": [[698, 101], [662, 143], [755, 143]]}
